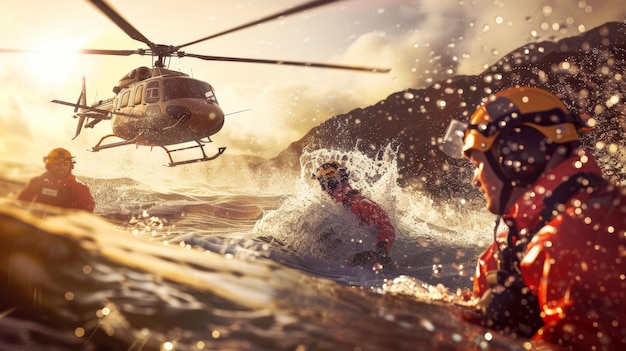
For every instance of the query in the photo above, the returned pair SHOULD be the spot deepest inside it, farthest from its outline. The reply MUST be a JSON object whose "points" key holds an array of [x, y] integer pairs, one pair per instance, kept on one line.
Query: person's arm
{"points": [[504, 300], [486, 266], [369, 212], [82, 198], [374, 215], [32, 189], [552, 262]]}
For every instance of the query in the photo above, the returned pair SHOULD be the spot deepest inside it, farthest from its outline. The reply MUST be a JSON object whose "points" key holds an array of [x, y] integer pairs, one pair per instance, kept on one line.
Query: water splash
{"points": [[427, 234]]}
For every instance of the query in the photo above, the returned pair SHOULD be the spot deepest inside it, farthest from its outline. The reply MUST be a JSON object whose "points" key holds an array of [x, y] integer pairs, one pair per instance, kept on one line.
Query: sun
{"points": [[53, 61]]}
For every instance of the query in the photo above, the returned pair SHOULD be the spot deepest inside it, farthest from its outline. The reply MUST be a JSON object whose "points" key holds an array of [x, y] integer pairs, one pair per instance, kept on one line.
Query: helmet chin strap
{"points": [[505, 195], [495, 231], [507, 187]]}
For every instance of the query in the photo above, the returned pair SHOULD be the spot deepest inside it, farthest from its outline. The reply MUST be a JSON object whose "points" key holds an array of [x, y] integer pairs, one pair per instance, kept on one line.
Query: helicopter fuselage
{"points": [[159, 107], [166, 109]]}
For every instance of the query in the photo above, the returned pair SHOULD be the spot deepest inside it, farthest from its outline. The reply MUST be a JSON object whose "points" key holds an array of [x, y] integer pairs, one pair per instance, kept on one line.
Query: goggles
{"points": [[327, 170], [58, 159], [461, 137]]}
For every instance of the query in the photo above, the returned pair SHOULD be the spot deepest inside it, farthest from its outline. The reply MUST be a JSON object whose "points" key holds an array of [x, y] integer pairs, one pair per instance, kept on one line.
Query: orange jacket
{"points": [[576, 263], [68, 192]]}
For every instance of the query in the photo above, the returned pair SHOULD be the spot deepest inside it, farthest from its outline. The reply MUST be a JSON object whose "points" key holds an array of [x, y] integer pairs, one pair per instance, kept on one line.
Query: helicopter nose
{"points": [[179, 113]]}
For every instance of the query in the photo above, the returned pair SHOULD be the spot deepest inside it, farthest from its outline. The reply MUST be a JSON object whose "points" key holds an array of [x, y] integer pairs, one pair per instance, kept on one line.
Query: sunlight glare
{"points": [[53, 61]]}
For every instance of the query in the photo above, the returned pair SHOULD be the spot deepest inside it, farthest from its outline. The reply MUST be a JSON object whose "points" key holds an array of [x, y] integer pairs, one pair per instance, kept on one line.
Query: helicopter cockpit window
{"points": [[177, 88], [209, 94], [152, 92], [143, 73]]}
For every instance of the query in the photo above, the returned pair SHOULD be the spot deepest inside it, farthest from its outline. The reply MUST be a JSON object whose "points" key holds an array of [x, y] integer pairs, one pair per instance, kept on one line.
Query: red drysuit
{"points": [[575, 264]]}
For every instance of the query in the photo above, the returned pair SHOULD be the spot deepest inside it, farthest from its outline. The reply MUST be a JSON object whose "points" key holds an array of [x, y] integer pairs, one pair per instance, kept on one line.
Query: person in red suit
{"points": [[558, 274], [58, 186], [333, 178]]}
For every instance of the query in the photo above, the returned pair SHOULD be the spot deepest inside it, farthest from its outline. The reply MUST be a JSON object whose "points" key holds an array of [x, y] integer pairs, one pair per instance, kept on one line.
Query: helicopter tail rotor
{"points": [[98, 112], [79, 126], [82, 101]]}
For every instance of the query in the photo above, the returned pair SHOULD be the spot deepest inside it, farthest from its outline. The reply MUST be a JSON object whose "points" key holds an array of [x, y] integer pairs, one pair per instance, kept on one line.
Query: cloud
{"points": [[417, 46], [13, 121], [421, 41], [287, 109], [282, 113]]}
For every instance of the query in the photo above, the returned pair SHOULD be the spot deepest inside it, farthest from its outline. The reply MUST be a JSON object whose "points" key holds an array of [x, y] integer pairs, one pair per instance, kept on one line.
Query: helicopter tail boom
{"points": [[97, 112]]}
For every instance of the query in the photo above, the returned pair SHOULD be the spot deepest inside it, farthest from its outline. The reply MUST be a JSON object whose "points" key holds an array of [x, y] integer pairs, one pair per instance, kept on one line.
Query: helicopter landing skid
{"points": [[204, 157], [99, 147], [172, 163]]}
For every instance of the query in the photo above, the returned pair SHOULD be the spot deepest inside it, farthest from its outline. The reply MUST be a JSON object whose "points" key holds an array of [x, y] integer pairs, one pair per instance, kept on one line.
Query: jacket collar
{"points": [[525, 213], [70, 176]]}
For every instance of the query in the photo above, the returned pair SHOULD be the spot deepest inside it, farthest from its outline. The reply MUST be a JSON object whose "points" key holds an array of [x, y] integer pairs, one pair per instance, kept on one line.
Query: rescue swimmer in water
{"points": [[333, 178]]}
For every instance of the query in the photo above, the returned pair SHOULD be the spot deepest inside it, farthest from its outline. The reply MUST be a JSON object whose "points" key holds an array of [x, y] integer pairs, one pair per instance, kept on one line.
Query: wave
{"points": [[201, 267]]}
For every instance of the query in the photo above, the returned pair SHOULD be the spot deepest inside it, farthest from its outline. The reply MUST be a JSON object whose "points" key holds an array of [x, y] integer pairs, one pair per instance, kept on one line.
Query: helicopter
{"points": [[158, 107]]}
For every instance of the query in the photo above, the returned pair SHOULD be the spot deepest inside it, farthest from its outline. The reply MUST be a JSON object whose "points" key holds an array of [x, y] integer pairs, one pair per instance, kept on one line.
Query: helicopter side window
{"points": [[152, 92], [125, 97], [138, 94]]}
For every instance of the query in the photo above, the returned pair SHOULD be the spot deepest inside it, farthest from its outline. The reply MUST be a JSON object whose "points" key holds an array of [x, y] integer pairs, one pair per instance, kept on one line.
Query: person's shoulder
{"points": [[38, 179], [80, 182], [358, 197]]}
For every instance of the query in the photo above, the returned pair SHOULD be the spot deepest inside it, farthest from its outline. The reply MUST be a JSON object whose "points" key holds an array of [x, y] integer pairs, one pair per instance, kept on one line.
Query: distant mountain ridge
{"points": [[586, 71]]}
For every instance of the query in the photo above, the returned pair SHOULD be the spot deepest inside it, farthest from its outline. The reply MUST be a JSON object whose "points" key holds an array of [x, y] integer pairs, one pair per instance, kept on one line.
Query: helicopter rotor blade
{"points": [[111, 52], [122, 23], [162, 51], [289, 63], [78, 51], [20, 51], [300, 8]]}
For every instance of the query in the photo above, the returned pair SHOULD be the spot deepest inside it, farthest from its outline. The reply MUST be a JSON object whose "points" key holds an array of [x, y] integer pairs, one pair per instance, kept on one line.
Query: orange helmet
{"points": [[531, 107], [59, 155], [518, 130]]}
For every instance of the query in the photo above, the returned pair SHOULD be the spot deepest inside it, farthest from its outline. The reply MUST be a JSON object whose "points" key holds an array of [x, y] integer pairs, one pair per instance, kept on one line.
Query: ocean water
{"points": [[183, 265]]}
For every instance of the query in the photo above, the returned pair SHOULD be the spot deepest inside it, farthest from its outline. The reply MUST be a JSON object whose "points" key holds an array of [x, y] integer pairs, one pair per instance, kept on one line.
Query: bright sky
{"points": [[421, 41]]}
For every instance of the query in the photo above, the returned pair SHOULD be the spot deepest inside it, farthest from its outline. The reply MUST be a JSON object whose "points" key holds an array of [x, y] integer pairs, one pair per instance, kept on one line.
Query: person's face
{"points": [[329, 185], [59, 170], [486, 180]]}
